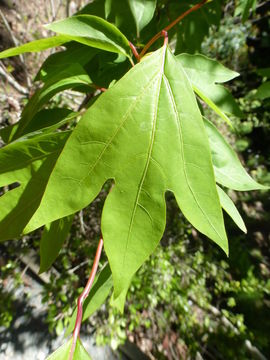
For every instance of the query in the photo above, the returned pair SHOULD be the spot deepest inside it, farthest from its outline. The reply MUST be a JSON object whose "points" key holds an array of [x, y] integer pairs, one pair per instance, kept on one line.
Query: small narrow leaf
{"points": [[53, 237], [248, 6], [62, 353], [231, 209], [97, 296], [92, 31], [34, 46], [143, 12], [229, 171], [145, 132]]}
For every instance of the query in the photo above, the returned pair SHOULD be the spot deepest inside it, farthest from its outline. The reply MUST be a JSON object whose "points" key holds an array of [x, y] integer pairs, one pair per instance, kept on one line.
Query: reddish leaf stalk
{"points": [[134, 51], [166, 38], [102, 89], [171, 25], [82, 297]]}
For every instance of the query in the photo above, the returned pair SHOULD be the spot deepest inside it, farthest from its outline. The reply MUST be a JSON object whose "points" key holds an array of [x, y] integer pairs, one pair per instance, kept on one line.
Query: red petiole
{"points": [[82, 297]]}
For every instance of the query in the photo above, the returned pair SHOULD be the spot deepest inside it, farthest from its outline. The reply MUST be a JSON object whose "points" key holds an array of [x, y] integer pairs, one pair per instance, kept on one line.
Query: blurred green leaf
{"points": [[62, 353], [143, 12], [263, 91], [53, 237]]}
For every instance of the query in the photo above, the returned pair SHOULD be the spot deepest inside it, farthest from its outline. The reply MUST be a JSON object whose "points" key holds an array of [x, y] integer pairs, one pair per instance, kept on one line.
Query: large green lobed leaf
{"points": [[146, 133]]}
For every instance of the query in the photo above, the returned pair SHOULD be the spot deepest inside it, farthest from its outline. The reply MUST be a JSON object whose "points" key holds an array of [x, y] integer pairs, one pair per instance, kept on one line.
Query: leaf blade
{"points": [[92, 31], [206, 75], [231, 209], [62, 353], [34, 46], [28, 164], [229, 171], [53, 237], [143, 12], [138, 142]]}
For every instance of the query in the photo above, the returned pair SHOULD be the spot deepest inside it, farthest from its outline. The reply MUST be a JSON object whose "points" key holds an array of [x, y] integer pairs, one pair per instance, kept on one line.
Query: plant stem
{"points": [[166, 38], [168, 27], [134, 51], [82, 297]]}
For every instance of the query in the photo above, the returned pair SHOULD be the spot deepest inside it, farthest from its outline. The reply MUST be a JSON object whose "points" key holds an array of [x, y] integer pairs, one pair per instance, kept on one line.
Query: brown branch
{"points": [[16, 43], [171, 25], [82, 297], [12, 81]]}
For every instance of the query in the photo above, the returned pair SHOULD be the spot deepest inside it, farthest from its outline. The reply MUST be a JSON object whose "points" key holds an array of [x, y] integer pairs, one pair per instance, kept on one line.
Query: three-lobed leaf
{"points": [[146, 133]]}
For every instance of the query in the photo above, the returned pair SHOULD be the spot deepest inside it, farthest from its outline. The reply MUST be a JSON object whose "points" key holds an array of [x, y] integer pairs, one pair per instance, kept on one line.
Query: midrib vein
{"points": [[125, 117], [149, 153]]}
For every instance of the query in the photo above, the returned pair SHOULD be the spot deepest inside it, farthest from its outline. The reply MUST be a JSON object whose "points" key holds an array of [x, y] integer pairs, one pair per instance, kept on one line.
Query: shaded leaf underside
{"points": [[147, 134]]}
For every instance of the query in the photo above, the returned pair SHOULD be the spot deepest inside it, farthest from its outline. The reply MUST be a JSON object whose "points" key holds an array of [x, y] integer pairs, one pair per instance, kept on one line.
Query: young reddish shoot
{"points": [[134, 51], [102, 89], [165, 34], [82, 297], [171, 25]]}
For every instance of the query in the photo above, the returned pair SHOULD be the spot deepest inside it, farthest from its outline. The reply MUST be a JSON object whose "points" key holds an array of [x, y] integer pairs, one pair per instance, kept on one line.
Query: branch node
{"points": [[164, 33]]}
